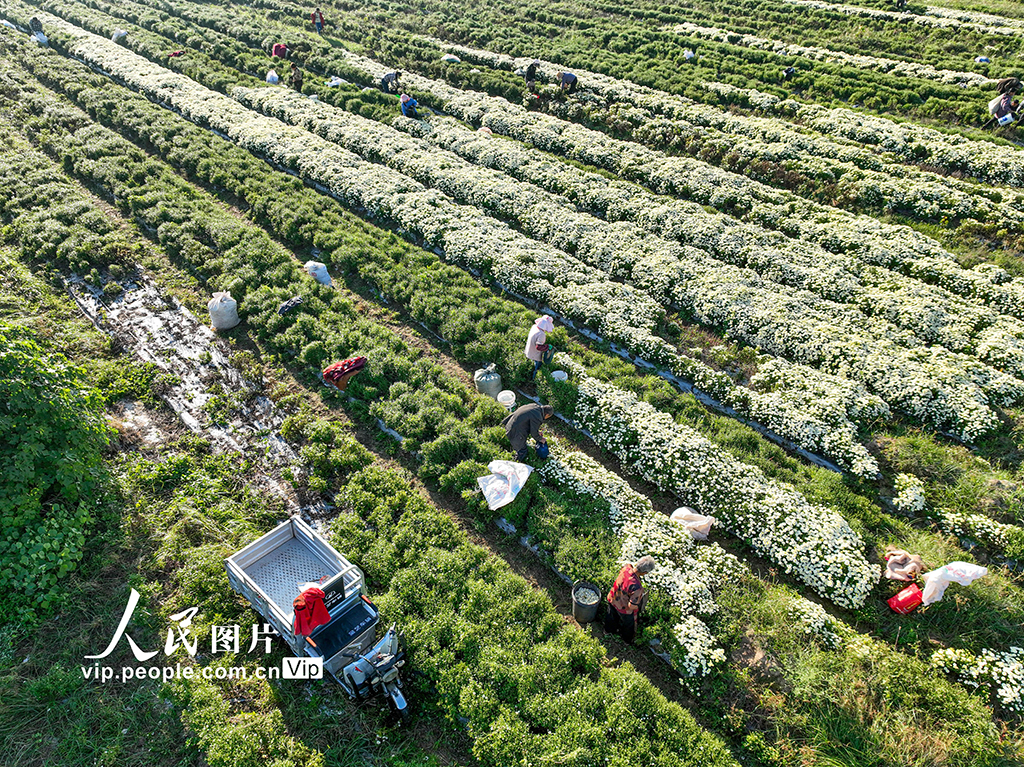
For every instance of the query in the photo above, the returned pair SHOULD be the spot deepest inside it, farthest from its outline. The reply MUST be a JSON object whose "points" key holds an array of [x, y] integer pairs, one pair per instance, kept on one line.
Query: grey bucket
{"points": [[581, 612]]}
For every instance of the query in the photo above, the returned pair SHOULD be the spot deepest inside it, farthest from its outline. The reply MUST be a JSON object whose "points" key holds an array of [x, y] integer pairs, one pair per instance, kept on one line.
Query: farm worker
{"points": [[296, 78], [389, 82], [525, 422], [35, 25], [537, 342], [531, 74], [409, 107], [1003, 109], [280, 50], [568, 81], [318, 21], [627, 598]]}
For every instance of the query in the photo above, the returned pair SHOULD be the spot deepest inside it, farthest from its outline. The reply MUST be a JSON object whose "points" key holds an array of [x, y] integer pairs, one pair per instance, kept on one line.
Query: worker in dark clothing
{"points": [[531, 74], [409, 107], [788, 72], [389, 82], [35, 25], [296, 77], [627, 598], [526, 422], [568, 81]]}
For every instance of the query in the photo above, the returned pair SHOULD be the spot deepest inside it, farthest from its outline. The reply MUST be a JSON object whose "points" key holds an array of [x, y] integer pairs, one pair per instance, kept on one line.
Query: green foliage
{"points": [[245, 740], [53, 435], [495, 650]]}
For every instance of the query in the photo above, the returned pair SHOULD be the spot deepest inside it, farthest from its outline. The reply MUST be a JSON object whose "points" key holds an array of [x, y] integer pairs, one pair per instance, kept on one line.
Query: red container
{"points": [[907, 600]]}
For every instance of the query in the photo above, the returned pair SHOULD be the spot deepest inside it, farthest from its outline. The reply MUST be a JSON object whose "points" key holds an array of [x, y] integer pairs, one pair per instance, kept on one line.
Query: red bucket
{"points": [[907, 600]]}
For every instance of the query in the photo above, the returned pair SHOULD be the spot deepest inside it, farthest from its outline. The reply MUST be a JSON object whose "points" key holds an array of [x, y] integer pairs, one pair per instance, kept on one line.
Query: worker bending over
{"points": [[525, 422], [568, 81], [389, 82], [1003, 107], [627, 598], [531, 74], [409, 107]]}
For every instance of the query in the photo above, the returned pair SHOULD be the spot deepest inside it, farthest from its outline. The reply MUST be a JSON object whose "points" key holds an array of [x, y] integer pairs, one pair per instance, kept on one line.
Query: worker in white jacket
{"points": [[537, 343]]}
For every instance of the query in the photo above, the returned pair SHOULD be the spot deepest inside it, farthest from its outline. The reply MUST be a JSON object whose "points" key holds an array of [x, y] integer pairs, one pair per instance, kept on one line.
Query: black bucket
{"points": [[582, 612]]}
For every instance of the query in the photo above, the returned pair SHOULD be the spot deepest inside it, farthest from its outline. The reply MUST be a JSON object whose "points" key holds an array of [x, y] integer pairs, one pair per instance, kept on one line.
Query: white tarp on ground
{"points": [[503, 484]]}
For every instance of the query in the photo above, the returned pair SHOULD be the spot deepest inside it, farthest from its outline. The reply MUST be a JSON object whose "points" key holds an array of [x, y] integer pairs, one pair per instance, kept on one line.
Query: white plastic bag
{"points": [[936, 581], [40, 38], [273, 78], [334, 82], [223, 311], [451, 58], [503, 484], [696, 524], [318, 272], [119, 34]]}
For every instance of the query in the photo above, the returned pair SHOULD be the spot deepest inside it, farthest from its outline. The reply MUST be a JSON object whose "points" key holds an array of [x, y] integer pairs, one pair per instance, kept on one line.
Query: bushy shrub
{"points": [[52, 437]]}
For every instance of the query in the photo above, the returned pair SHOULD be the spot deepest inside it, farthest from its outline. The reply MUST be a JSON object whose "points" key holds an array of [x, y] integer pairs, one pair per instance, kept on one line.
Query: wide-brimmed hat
{"points": [[545, 323], [406, 97]]}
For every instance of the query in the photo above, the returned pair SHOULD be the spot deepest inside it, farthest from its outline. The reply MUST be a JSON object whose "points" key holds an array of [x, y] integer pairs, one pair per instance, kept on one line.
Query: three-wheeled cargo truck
{"points": [[273, 570]]}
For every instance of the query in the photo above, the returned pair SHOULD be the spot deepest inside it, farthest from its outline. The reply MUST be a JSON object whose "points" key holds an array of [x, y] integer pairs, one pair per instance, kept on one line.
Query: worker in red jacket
{"points": [[626, 599], [318, 21]]}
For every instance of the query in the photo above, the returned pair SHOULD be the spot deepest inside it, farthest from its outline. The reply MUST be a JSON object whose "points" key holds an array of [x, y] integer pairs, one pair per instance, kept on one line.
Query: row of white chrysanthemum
{"points": [[858, 60], [931, 313], [910, 499], [626, 251], [854, 170], [953, 153], [934, 17], [895, 247], [1001, 672], [581, 293], [929, 383], [812, 543], [689, 574], [669, 273]]}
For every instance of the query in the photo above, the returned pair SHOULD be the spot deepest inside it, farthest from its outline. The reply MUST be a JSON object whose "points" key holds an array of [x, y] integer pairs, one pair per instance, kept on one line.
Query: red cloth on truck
{"points": [[310, 612]]}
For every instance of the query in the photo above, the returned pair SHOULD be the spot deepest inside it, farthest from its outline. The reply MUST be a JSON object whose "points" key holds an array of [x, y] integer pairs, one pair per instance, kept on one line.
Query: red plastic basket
{"points": [[907, 600]]}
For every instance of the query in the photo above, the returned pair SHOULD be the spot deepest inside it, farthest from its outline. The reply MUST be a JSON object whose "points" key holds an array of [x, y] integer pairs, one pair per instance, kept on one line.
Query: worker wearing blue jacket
{"points": [[409, 107]]}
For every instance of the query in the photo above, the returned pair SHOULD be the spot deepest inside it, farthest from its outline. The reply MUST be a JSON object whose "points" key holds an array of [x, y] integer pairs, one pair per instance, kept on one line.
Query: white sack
{"points": [[318, 272], [696, 524], [502, 486], [223, 311]]}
